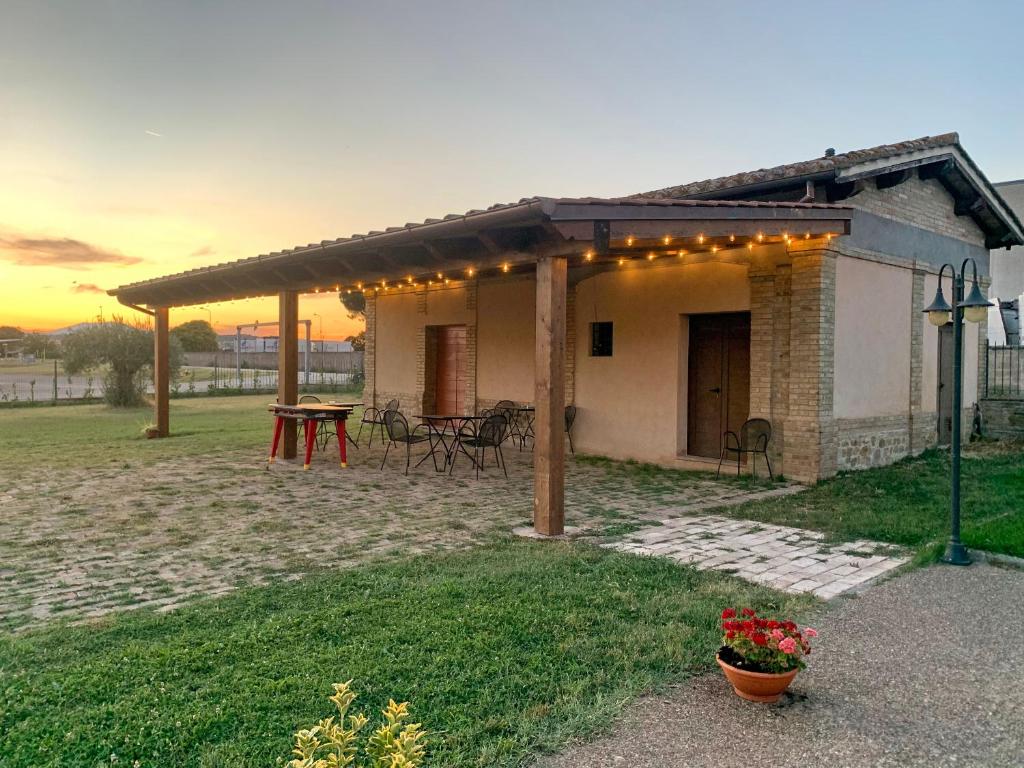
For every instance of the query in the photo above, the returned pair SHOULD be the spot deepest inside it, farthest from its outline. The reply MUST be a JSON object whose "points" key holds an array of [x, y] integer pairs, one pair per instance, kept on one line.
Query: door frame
{"points": [[686, 401]]}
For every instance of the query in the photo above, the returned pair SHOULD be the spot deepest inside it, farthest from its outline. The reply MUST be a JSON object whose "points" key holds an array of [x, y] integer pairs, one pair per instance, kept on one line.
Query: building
{"points": [[793, 293], [1008, 273]]}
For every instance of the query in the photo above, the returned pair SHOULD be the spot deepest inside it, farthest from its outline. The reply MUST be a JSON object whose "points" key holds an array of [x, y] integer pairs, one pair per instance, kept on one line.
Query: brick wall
{"points": [[924, 203]]}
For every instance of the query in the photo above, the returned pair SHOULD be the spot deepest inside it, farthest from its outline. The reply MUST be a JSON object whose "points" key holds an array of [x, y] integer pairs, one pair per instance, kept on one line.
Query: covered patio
{"points": [[554, 242]]}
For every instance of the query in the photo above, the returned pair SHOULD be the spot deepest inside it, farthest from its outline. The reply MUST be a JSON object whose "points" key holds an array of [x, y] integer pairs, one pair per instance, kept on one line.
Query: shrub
{"points": [[334, 741], [124, 353]]}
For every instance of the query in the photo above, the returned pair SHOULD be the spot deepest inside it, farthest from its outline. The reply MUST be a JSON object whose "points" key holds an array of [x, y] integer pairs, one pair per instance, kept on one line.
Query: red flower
{"points": [[759, 638], [730, 635], [729, 613], [749, 612]]}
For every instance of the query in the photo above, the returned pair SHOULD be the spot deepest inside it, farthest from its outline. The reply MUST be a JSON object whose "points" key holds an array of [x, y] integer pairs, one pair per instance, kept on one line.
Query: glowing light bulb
{"points": [[760, 236], [589, 256], [700, 239], [470, 271], [629, 241], [732, 238], [650, 256], [666, 239], [505, 267], [621, 262]]}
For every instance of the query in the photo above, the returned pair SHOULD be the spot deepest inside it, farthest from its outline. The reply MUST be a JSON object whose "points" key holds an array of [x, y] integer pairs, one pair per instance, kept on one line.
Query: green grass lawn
{"points": [[502, 650], [908, 503], [85, 435]]}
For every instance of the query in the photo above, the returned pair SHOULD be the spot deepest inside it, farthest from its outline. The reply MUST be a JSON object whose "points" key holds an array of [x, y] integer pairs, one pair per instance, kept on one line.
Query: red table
{"points": [[310, 414]]}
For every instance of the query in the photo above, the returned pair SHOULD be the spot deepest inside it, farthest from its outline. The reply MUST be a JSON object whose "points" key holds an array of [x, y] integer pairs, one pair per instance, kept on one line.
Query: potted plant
{"points": [[760, 657]]}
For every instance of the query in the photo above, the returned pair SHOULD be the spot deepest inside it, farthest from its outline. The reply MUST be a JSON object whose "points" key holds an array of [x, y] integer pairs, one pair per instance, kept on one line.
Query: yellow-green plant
{"points": [[334, 741]]}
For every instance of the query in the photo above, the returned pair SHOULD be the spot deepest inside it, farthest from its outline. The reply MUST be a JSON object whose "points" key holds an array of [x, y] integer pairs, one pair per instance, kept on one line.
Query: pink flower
{"points": [[810, 632], [778, 634], [788, 645]]}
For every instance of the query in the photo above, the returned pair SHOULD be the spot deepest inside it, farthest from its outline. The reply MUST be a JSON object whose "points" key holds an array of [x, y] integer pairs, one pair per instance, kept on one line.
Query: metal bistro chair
{"points": [[510, 411], [570, 419], [753, 439], [397, 428], [375, 418], [323, 432], [490, 434]]}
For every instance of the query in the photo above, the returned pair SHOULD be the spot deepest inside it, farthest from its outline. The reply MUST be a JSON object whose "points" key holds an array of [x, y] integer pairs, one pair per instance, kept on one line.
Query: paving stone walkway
{"points": [[790, 559], [86, 541]]}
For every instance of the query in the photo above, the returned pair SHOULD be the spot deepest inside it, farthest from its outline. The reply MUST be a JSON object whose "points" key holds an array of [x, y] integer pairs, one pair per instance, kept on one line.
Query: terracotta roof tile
{"points": [[804, 168]]}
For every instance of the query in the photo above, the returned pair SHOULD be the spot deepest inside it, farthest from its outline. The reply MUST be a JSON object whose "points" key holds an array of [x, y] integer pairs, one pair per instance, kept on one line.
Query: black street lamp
{"points": [[974, 309]]}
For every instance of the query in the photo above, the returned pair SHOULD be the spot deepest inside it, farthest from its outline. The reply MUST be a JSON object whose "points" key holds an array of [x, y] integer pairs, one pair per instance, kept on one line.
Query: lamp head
{"points": [[976, 305], [939, 312]]}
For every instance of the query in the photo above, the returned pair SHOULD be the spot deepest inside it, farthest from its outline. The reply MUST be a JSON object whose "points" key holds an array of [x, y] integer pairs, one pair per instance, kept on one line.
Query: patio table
{"points": [[438, 433], [310, 414]]}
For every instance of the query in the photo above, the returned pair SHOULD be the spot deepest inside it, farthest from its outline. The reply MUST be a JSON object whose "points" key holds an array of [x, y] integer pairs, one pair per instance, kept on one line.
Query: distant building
{"points": [[1008, 275]]}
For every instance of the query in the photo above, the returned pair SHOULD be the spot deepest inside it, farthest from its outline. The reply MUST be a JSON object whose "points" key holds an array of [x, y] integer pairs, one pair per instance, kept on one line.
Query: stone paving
{"points": [[85, 541], [790, 559]]}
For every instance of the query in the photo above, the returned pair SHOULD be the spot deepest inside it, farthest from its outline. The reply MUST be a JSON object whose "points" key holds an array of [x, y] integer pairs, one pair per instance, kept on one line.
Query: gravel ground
{"points": [[925, 669]]}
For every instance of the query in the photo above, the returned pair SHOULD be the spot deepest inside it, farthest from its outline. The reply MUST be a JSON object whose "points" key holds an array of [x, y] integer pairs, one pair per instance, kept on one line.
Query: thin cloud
{"points": [[206, 250], [61, 252], [87, 288], [154, 133]]}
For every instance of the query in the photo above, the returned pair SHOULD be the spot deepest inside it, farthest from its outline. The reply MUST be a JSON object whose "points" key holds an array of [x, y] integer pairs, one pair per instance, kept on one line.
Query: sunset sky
{"points": [[143, 138]]}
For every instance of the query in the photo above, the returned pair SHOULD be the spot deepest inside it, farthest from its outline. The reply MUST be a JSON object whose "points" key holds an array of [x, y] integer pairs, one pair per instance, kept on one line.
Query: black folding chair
{"points": [[753, 439], [323, 431], [397, 428], [510, 411], [375, 418], [570, 419], [490, 434]]}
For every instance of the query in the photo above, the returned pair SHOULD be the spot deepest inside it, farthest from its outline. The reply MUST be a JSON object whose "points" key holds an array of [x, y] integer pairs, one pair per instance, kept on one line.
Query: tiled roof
{"points": [[805, 168], [543, 204]]}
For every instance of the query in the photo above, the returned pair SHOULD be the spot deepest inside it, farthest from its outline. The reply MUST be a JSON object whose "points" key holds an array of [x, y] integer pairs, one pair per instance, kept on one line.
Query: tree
{"points": [[354, 303], [10, 332], [125, 355], [358, 341], [40, 345], [196, 336]]}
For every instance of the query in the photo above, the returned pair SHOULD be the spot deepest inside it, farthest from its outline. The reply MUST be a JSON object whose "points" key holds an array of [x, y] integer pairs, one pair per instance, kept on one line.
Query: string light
{"points": [[760, 236], [700, 239], [588, 256], [650, 256], [470, 271], [505, 267], [629, 240], [621, 262], [807, 236], [666, 239], [359, 286], [440, 276], [714, 249], [681, 253], [732, 238], [750, 246]]}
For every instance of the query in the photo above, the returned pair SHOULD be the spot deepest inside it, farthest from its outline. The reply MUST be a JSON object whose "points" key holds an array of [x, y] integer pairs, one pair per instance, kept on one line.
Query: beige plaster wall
{"points": [[872, 342], [397, 321], [506, 326], [401, 316], [633, 404]]}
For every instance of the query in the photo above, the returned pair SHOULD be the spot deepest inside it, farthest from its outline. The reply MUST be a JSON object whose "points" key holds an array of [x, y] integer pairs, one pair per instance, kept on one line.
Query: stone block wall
{"points": [[1003, 419]]}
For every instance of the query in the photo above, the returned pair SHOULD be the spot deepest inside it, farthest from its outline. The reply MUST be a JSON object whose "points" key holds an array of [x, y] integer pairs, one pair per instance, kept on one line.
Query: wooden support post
{"points": [[161, 371], [549, 398], [288, 365]]}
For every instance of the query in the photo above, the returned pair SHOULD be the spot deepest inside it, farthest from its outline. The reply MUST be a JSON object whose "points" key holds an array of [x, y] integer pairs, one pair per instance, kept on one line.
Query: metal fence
{"points": [[1004, 372], [203, 374]]}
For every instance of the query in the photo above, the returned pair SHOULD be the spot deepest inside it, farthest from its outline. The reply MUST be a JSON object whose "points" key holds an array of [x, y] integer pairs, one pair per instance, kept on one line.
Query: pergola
{"points": [[548, 236]]}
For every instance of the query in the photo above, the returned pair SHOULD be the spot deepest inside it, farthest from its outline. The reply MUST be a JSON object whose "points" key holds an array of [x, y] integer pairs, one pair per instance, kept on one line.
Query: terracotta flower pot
{"points": [[757, 686]]}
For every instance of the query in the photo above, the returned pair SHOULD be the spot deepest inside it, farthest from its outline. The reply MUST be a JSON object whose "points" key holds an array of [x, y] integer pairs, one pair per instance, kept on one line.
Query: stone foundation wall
{"points": [[871, 442], [1003, 419]]}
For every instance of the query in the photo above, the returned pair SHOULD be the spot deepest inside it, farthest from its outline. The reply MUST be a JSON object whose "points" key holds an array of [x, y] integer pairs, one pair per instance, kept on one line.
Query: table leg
{"points": [[310, 426], [339, 428], [278, 427]]}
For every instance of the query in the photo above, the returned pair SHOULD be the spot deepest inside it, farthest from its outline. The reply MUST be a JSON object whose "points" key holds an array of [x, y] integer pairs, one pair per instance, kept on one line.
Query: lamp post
{"points": [[973, 308]]}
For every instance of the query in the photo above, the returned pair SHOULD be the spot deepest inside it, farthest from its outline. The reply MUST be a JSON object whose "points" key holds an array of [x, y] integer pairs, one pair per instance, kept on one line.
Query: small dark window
{"points": [[600, 339]]}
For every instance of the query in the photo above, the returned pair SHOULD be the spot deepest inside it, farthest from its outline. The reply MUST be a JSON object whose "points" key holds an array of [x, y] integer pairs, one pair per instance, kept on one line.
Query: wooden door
{"points": [[718, 380], [945, 426], [450, 373]]}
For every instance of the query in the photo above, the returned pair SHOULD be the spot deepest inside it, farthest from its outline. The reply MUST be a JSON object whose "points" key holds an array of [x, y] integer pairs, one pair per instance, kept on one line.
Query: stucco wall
{"points": [[397, 321], [872, 347], [506, 326], [633, 404], [930, 352]]}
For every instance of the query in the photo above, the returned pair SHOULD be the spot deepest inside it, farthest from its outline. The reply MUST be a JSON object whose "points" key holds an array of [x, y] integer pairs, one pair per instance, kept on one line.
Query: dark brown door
{"points": [[718, 380], [945, 425], [450, 376]]}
